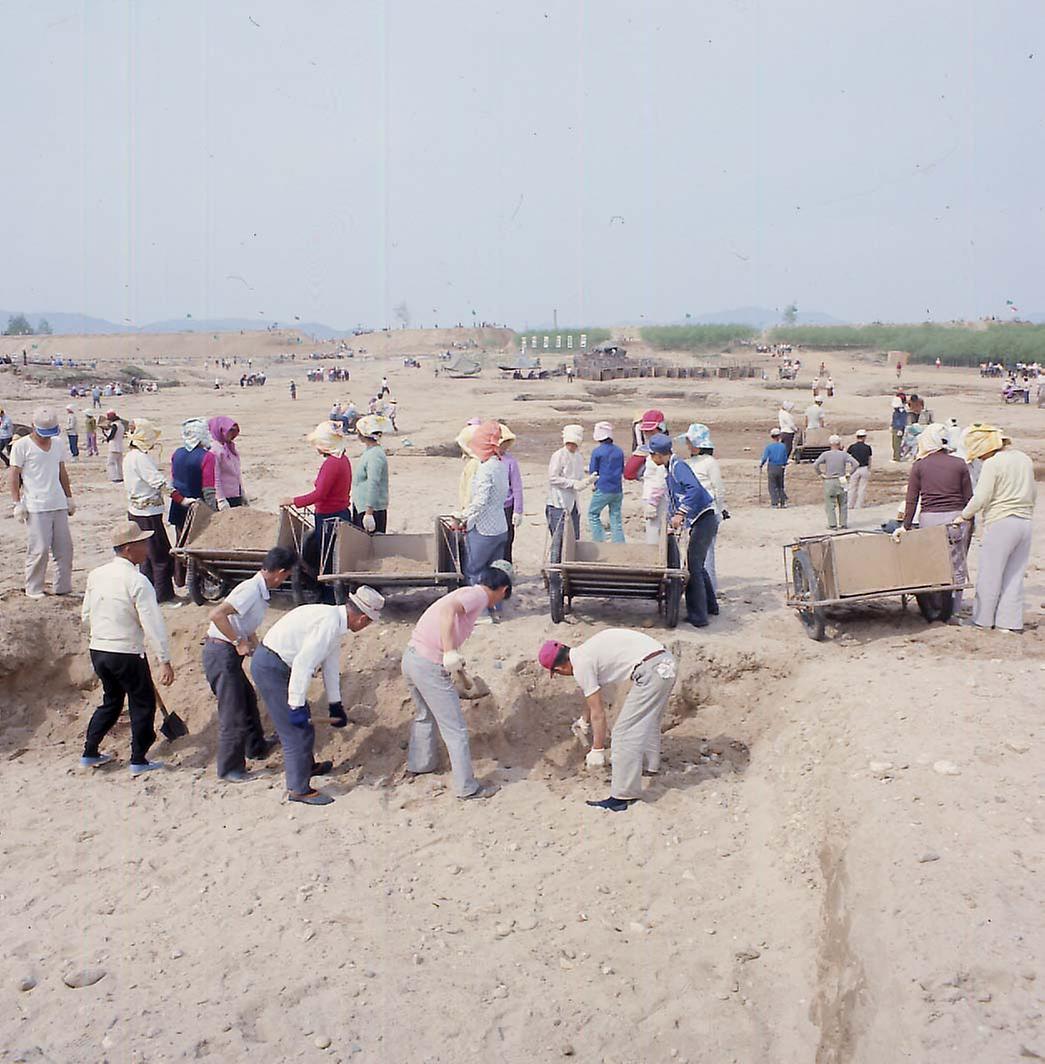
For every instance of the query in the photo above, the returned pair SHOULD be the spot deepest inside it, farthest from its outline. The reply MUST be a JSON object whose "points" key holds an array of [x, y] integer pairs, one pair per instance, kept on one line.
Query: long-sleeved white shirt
{"points": [[786, 421], [1005, 488], [308, 639], [709, 473], [119, 606], [563, 469], [144, 484]]}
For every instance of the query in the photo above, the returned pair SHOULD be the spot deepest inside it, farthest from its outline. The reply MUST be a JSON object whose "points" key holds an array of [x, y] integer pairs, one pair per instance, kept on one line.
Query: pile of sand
{"points": [[395, 565], [242, 528]]}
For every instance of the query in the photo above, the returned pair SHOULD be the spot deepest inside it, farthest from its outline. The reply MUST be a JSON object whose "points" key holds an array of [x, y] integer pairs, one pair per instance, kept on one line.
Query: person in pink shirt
{"points": [[228, 488], [429, 664]]}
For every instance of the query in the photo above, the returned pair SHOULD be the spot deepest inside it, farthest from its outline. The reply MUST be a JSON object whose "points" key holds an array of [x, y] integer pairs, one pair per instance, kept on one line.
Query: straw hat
{"points": [[127, 532], [368, 601]]}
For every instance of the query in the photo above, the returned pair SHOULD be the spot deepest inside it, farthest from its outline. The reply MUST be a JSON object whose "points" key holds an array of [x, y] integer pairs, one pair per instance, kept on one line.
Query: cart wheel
{"points": [[673, 601], [341, 590], [555, 552], [936, 605], [555, 597], [306, 589], [203, 587], [807, 587]]}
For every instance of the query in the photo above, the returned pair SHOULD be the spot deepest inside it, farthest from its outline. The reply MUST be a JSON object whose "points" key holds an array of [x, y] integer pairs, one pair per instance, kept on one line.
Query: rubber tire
{"points": [[676, 585], [341, 592], [555, 552], [936, 606], [555, 598], [306, 589], [804, 578], [203, 591]]}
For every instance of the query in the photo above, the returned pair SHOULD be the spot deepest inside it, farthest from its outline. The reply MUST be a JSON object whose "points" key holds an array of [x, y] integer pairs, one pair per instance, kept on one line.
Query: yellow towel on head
{"points": [[980, 439], [933, 438], [327, 439], [145, 435]]}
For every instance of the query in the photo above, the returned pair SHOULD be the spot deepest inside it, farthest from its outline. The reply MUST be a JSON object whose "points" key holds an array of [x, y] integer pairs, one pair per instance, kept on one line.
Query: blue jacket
{"points": [[686, 494], [899, 419], [607, 460], [774, 454], [186, 478]]}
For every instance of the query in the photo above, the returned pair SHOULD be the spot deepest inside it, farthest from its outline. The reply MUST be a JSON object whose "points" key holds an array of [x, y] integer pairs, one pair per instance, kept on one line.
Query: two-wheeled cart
{"points": [[847, 568], [211, 570], [651, 571]]}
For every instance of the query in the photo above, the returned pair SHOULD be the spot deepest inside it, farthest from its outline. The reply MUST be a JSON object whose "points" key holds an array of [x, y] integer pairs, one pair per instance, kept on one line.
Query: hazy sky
{"points": [[617, 161]]}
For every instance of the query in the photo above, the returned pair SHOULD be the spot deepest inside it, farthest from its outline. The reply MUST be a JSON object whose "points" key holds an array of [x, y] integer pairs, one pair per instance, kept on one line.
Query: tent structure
{"points": [[464, 365]]}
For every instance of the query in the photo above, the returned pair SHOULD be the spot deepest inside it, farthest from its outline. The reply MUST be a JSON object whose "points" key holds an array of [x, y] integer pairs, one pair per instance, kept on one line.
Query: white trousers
{"points": [[858, 487], [654, 525], [1004, 555], [48, 532]]}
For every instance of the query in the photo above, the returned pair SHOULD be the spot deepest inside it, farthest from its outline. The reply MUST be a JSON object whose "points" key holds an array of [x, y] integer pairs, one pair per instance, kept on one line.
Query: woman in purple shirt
{"points": [[513, 507]]}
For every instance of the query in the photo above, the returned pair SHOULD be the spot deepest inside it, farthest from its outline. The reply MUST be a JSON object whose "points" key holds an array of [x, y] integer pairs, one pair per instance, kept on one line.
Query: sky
{"points": [[604, 161]]}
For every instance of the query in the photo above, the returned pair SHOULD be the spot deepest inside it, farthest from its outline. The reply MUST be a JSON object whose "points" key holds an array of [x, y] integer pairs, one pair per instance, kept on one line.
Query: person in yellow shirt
{"points": [[1004, 496]]}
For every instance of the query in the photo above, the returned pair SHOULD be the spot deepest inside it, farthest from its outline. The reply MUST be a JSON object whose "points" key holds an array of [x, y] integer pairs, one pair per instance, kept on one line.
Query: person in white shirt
{"points": [[113, 431], [566, 476], [788, 425], [43, 499], [231, 638], [815, 415], [703, 462], [72, 432], [121, 613], [297, 645], [145, 485], [613, 655]]}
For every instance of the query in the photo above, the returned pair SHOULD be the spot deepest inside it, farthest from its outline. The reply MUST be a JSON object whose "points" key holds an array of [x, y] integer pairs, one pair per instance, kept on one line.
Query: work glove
{"points": [[453, 662], [899, 534], [517, 518], [70, 505], [338, 716], [596, 759], [649, 513], [223, 504], [299, 716], [843, 481], [579, 485], [20, 512], [369, 523]]}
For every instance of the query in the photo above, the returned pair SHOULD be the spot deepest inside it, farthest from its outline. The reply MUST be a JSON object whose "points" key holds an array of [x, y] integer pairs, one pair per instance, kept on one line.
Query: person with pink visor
{"points": [[228, 488], [483, 517], [610, 657], [640, 466]]}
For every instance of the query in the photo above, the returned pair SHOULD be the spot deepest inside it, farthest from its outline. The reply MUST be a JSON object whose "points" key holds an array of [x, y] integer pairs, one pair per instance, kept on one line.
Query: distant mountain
{"points": [[66, 324], [762, 317], [311, 328]]}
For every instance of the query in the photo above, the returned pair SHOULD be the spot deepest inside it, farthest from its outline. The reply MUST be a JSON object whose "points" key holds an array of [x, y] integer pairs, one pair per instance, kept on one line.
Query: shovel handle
{"points": [[159, 697]]}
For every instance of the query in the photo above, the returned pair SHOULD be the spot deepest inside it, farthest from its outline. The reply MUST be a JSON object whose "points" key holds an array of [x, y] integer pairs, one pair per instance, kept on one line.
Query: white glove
{"points": [[185, 501], [517, 518], [369, 523], [898, 534], [579, 485], [650, 513], [452, 661], [596, 759], [223, 504], [20, 512], [843, 481], [70, 505]]}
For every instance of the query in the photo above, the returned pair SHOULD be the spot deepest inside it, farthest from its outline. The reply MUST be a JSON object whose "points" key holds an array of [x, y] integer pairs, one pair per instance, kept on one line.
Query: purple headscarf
{"points": [[220, 427]]}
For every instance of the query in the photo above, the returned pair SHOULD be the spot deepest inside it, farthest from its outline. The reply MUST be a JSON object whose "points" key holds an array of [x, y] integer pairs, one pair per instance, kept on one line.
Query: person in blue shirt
{"points": [[775, 456], [692, 509], [607, 464]]}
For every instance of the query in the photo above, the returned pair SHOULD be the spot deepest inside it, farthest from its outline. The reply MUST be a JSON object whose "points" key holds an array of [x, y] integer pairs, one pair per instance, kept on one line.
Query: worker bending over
{"points": [[306, 639], [614, 655], [429, 664], [231, 638]]}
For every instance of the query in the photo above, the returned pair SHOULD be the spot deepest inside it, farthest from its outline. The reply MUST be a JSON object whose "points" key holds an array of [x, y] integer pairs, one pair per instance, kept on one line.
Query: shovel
{"points": [[173, 727]]}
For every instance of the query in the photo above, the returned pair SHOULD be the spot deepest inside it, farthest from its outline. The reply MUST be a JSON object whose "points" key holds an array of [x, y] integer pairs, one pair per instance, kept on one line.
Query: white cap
{"points": [[861, 432], [603, 431], [368, 601], [572, 434]]}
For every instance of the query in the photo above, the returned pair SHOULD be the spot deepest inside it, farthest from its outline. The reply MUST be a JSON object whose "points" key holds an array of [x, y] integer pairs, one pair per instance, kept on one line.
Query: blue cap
{"points": [[659, 444]]}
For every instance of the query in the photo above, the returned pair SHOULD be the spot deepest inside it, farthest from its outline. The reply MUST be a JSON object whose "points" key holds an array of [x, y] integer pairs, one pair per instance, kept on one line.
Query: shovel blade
{"points": [[173, 727]]}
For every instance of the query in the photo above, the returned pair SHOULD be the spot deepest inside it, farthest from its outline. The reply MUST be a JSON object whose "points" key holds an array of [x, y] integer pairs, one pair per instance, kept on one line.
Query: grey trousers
{"points": [[438, 707], [959, 549], [479, 551], [48, 532], [835, 505], [272, 679], [239, 723], [637, 730], [858, 487], [1004, 555]]}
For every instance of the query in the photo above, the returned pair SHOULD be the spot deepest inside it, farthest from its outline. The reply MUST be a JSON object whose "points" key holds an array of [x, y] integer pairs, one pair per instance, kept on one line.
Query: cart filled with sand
{"points": [[396, 560], [222, 548], [614, 570]]}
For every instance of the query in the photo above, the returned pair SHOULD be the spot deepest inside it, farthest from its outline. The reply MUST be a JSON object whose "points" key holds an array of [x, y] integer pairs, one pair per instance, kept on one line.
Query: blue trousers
{"points": [[272, 678], [700, 594], [480, 550], [599, 501]]}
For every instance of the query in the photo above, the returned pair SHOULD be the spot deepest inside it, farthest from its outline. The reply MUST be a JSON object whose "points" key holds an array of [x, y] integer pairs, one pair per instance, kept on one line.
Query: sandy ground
{"points": [[802, 883]]}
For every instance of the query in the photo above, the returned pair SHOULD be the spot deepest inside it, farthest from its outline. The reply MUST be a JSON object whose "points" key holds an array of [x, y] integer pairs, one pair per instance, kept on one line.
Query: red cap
{"points": [[652, 419], [548, 653]]}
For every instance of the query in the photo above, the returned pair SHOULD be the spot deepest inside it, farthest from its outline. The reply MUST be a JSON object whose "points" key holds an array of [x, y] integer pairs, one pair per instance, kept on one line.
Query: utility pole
{"points": [[555, 319]]}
